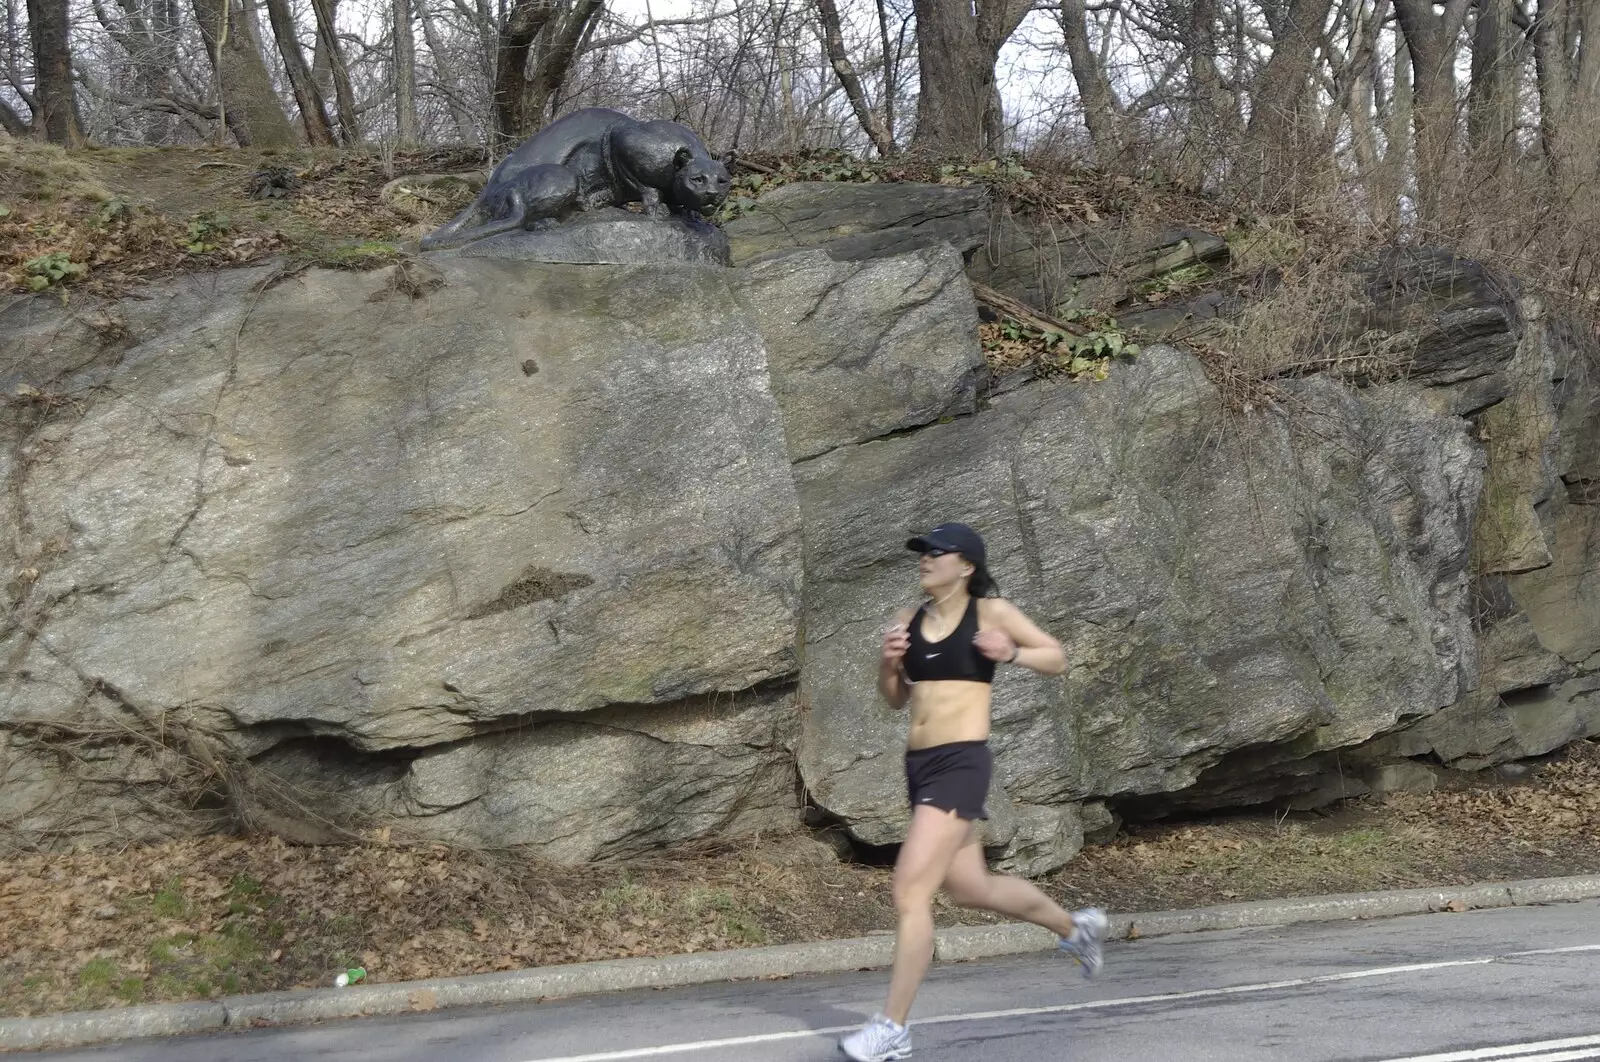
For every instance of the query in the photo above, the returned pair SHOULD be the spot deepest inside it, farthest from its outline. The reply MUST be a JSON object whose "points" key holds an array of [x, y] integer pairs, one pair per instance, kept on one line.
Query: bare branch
{"points": [[638, 33]]}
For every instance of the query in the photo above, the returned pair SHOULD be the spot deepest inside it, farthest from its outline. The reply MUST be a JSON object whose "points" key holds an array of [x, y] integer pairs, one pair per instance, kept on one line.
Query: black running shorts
{"points": [[953, 777]]}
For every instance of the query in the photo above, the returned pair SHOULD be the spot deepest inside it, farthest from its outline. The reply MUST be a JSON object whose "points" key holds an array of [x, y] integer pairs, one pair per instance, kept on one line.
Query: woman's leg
{"points": [[931, 843], [970, 884]]}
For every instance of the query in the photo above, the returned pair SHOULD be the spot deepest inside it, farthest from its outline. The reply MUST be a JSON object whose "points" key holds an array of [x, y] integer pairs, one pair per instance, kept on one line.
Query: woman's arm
{"points": [[1012, 638], [891, 678]]}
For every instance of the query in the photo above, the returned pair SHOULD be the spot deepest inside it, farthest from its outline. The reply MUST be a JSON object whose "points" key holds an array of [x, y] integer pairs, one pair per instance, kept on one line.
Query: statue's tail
{"points": [[446, 235]]}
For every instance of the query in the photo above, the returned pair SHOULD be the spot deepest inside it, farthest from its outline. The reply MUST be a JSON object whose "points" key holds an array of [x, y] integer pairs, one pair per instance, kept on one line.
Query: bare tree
{"points": [[56, 114], [1432, 41], [537, 43], [249, 102], [405, 74], [307, 94], [1492, 91], [1566, 48], [343, 93], [445, 81], [891, 50], [839, 57], [1279, 133], [1095, 94], [958, 43]]}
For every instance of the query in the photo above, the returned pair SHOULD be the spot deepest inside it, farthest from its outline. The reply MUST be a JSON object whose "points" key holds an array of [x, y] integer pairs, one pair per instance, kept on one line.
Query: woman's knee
{"points": [[911, 895]]}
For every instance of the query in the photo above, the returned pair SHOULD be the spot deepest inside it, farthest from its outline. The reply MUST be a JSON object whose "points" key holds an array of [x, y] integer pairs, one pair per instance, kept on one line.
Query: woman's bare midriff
{"points": [[948, 710]]}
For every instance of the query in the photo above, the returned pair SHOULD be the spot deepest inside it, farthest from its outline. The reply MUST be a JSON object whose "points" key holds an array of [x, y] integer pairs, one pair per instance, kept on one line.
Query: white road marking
{"points": [[1124, 1001], [1543, 1051]]}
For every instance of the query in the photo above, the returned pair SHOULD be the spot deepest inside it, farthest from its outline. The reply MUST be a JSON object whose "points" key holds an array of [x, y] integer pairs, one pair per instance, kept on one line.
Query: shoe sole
{"points": [[892, 1056]]}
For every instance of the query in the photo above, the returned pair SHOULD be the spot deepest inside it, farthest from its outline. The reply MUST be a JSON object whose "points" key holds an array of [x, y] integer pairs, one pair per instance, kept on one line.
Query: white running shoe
{"points": [[1088, 931], [879, 1040]]}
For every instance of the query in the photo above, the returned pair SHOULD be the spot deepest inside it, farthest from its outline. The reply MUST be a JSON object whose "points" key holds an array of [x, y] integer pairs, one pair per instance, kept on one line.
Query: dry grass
{"points": [[103, 219], [1547, 826], [34, 172], [200, 917]]}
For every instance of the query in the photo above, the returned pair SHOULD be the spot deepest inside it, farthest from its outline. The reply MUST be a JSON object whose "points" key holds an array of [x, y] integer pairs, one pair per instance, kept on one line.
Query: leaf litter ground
{"points": [[198, 918]]}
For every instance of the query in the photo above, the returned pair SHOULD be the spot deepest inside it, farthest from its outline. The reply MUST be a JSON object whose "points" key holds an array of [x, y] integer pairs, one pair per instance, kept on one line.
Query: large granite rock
{"points": [[1274, 590], [512, 554], [325, 507], [862, 349], [1538, 593], [605, 784], [607, 236], [857, 221]]}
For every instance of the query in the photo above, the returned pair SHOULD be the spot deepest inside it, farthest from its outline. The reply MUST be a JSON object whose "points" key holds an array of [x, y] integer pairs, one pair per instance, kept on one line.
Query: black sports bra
{"points": [[951, 657]]}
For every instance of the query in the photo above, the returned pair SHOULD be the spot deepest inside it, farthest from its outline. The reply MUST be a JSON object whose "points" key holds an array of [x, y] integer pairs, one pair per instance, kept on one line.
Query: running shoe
{"points": [[879, 1040], [1088, 931]]}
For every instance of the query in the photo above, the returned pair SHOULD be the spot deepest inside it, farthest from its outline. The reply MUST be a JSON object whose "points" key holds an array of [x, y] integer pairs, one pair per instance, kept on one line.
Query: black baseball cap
{"points": [[952, 538]]}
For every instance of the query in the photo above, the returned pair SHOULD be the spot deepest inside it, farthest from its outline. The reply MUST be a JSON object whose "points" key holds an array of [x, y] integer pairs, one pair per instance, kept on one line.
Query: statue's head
{"points": [[699, 183]]}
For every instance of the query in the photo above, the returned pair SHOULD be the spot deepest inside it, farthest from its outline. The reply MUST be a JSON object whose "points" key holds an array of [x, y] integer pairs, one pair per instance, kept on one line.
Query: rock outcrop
{"points": [[321, 508], [597, 559], [1218, 588]]}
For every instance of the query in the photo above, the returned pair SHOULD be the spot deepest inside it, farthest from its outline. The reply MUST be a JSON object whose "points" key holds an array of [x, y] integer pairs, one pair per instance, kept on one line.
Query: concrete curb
{"points": [[784, 960]]}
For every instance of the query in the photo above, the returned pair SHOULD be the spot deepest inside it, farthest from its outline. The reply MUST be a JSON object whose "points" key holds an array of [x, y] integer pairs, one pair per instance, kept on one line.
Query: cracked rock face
{"points": [[323, 507], [597, 560], [863, 349], [1537, 552], [1213, 591]]}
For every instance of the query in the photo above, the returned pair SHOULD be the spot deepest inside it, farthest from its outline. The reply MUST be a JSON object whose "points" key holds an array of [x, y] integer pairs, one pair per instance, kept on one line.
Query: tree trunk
{"points": [[405, 75], [520, 97], [321, 63], [444, 75], [1492, 94], [1585, 96], [1396, 134], [555, 58], [1277, 142], [958, 42], [891, 82], [1356, 97], [1100, 109], [955, 79], [250, 106], [11, 122], [1568, 94], [1210, 98], [313, 109], [56, 117], [522, 24], [839, 57], [328, 34], [1431, 40], [150, 49]]}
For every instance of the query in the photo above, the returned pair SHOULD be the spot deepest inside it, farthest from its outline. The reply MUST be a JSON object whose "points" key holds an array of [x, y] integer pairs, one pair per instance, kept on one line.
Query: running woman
{"points": [[941, 658]]}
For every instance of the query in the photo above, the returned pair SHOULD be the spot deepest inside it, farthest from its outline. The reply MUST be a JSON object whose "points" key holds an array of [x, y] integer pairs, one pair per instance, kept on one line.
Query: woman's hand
{"points": [[896, 640], [996, 645]]}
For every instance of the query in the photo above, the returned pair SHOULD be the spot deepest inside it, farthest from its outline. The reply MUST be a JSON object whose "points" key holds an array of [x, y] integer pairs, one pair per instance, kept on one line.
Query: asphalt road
{"points": [[1517, 984]]}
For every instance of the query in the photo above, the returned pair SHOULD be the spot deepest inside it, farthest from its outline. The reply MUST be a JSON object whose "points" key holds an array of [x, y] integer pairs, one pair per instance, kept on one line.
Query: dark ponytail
{"points": [[981, 583]]}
